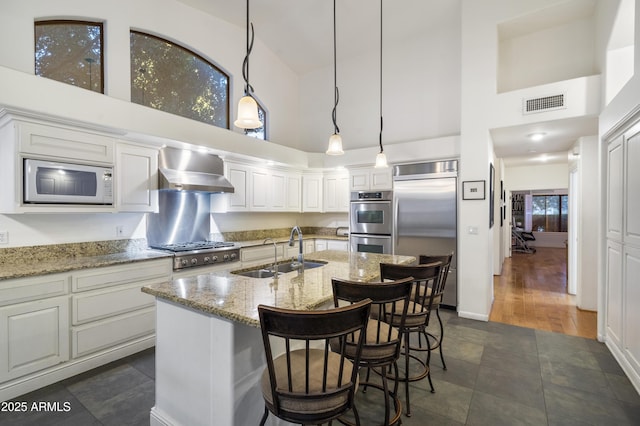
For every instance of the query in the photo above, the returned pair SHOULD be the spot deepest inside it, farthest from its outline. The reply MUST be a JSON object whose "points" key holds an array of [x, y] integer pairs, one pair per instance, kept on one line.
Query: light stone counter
{"points": [[237, 297], [209, 351]]}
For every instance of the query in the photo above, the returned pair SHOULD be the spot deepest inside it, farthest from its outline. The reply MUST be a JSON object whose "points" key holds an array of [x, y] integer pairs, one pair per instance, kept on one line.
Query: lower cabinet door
{"points": [[33, 336], [110, 332]]}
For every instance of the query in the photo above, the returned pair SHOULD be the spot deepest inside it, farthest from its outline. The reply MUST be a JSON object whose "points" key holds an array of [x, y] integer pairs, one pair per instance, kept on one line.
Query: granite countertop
{"points": [[29, 268], [32, 261], [236, 297]]}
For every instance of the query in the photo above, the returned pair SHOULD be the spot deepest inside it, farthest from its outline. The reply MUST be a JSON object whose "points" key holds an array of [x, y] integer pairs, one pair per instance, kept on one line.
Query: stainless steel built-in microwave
{"points": [[52, 182]]}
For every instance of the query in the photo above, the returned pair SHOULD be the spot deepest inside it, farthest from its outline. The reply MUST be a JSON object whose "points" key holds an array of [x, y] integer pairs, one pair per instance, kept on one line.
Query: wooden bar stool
{"points": [[419, 310], [381, 348], [309, 383], [444, 272]]}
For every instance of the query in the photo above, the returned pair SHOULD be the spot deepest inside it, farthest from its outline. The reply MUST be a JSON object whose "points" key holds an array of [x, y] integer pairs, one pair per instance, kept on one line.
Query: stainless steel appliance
{"points": [[53, 182], [200, 253], [371, 222], [182, 224], [425, 214]]}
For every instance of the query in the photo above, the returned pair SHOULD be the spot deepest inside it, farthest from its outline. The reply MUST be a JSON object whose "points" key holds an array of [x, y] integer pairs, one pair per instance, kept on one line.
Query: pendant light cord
{"points": [[381, 150], [245, 64], [336, 93]]}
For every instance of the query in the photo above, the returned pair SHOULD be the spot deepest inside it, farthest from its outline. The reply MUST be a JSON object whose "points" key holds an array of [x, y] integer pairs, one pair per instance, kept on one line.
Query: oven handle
{"points": [[379, 236]]}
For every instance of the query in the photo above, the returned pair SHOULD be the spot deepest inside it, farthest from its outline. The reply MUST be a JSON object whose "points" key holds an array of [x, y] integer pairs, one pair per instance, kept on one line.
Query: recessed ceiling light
{"points": [[536, 136]]}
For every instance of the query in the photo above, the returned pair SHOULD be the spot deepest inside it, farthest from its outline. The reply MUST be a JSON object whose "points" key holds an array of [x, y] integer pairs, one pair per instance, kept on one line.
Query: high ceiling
{"points": [[300, 33]]}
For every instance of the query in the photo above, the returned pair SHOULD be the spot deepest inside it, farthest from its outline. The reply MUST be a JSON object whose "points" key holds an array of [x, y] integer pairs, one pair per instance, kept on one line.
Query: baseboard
{"points": [[631, 373], [473, 316]]}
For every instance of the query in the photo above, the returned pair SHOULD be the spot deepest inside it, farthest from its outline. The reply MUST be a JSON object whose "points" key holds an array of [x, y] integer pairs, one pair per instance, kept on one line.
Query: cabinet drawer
{"points": [[95, 305], [33, 336], [110, 332], [25, 289], [108, 276], [65, 143]]}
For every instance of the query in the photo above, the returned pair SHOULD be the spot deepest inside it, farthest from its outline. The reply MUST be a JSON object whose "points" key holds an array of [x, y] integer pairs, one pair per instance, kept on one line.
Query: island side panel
{"points": [[194, 368]]}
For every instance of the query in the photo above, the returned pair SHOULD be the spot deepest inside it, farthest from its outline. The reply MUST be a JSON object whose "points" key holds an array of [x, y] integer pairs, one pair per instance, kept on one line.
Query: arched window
{"points": [[70, 52], [170, 78]]}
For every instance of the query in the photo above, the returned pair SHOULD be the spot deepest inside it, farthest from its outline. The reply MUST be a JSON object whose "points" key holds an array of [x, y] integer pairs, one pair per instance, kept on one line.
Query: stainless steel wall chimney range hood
{"points": [[184, 170]]}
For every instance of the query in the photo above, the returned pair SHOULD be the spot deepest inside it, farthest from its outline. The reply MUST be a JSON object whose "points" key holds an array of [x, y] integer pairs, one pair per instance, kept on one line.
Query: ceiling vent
{"points": [[547, 103]]}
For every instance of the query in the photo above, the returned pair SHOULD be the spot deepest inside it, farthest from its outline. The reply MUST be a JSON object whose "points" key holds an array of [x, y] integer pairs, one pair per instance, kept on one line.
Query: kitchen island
{"points": [[209, 353]]}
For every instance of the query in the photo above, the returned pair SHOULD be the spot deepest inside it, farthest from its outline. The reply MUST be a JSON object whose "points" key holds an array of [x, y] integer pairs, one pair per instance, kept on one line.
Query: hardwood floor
{"points": [[532, 292]]}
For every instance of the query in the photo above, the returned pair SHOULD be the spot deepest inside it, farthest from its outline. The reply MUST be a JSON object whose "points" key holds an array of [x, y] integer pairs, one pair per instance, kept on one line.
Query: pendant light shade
{"points": [[335, 145], [248, 113], [381, 158], [247, 117], [335, 141]]}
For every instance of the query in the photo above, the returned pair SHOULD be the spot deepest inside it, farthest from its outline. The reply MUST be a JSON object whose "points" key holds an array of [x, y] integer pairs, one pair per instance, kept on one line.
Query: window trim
{"points": [[42, 22]]}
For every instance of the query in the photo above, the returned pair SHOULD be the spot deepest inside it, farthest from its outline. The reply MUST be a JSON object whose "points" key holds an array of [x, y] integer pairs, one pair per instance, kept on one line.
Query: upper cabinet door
{"points": [[65, 143], [370, 179], [238, 175], [137, 178], [312, 192]]}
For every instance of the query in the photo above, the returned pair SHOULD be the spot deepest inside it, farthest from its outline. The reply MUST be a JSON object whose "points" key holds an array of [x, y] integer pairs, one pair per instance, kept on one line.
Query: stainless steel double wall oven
{"points": [[371, 222]]}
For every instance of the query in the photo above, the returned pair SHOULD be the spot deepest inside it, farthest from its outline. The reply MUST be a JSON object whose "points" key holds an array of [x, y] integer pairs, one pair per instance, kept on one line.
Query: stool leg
{"points": [[444, 366], [264, 416], [406, 372]]}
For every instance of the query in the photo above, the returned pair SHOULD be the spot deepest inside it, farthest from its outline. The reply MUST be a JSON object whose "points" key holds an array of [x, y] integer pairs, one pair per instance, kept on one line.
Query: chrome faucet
{"points": [[275, 256], [294, 230]]}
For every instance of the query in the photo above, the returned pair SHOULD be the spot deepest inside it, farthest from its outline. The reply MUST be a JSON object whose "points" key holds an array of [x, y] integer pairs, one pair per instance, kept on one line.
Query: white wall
{"points": [[213, 38], [557, 53], [543, 176], [421, 91], [42, 229]]}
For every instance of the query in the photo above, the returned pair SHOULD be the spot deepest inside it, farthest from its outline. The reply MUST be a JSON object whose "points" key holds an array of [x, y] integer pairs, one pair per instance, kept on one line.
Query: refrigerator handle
{"points": [[395, 224]]}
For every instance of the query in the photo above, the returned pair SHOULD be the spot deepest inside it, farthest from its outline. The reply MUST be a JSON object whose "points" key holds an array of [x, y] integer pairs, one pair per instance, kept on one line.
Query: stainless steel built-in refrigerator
{"points": [[425, 213]]}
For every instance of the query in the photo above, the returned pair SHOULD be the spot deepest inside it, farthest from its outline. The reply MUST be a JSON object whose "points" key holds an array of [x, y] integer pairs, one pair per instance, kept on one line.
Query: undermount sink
{"points": [[263, 272]]}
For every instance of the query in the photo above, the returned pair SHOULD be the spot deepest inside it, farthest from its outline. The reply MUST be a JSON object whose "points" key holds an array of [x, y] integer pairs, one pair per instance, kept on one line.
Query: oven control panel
{"points": [[371, 196], [205, 258]]}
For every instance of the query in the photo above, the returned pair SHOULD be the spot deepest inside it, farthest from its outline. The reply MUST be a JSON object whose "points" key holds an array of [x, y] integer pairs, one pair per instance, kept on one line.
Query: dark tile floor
{"points": [[497, 374]]}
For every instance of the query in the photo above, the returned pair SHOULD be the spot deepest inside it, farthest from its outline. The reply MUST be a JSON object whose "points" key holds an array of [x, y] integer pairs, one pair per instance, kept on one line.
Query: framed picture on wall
{"points": [[491, 193], [473, 190]]}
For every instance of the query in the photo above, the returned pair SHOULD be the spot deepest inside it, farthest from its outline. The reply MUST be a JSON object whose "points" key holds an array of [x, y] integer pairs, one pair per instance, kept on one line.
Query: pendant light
{"points": [[247, 117], [381, 159], [335, 141]]}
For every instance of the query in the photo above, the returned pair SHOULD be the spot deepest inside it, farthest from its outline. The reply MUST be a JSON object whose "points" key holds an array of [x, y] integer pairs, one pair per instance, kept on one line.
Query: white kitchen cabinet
{"points": [[262, 188], [34, 336], [27, 138], [238, 175], [108, 307], [336, 192], [259, 189], [370, 179], [322, 244], [265, 253], [294, 192], [312, 192], [137, 178], [309, 246], [278, 187], [64, 143]]}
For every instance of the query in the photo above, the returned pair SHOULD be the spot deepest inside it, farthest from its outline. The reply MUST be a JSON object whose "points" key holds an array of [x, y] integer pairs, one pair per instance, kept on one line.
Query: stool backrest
{"points": [[311, 384], [389, 303], [446, 263], [427, 285]]}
